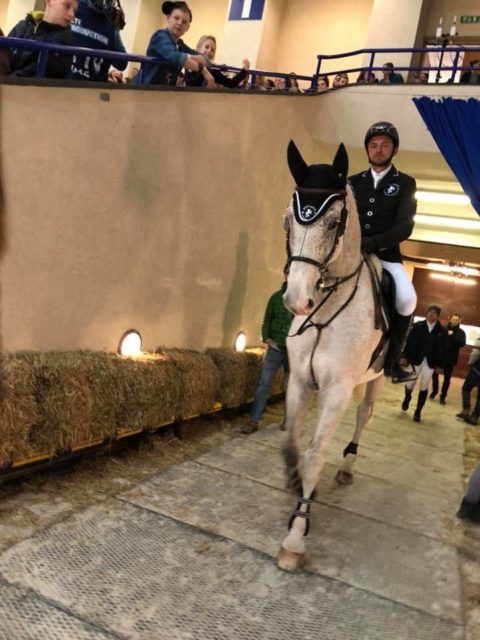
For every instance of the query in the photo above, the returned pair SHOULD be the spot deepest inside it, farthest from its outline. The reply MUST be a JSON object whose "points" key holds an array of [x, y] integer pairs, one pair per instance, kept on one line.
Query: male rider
{"points": [[386, 207]]}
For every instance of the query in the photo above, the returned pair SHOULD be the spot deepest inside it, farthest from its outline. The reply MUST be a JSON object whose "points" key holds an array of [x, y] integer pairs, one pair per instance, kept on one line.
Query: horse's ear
{"points": [[296, 163], [340, 164]]}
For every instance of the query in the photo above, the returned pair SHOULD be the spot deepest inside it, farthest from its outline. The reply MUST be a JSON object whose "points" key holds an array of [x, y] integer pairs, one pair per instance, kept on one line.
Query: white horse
{"points": [[332, 348]]}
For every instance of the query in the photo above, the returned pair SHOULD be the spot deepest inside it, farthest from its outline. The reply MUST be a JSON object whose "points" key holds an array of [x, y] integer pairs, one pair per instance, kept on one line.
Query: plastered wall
{"points": [[161, 211]]}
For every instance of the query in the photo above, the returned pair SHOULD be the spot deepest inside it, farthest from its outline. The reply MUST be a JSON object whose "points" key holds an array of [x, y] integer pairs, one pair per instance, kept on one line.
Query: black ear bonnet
{"points": [[318, 186]]}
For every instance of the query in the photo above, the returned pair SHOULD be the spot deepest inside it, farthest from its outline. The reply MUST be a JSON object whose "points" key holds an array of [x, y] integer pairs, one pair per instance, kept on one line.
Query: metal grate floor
{"points": [[24, 616], [141, 575]]}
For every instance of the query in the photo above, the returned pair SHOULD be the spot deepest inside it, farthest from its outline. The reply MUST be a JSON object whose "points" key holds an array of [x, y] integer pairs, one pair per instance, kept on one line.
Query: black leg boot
{"points": [[399, 328], [407, 398], [422, 398]]}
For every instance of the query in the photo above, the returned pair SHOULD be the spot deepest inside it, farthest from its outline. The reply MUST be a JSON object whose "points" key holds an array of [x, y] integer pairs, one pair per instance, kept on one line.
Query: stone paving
{"points": [[189, 552]]}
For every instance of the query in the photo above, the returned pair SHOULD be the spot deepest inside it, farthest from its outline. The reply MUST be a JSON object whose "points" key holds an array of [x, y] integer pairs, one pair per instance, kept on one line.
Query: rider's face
{"points": [[380, 151]]}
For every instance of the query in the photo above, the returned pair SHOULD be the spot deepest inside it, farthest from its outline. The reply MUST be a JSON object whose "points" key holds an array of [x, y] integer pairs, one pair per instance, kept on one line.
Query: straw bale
{"points": [[19, 409], [199, 381], [70, 412], [238, 375], [150, 390]]}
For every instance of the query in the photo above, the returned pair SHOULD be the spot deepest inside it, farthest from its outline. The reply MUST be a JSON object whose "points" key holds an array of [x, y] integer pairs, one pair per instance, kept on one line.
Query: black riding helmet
{"points": [[383, 129]]}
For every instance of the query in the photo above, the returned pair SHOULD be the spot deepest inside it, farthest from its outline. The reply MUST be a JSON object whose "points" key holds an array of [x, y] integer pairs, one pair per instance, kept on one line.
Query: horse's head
{"points": [[317, 218]]}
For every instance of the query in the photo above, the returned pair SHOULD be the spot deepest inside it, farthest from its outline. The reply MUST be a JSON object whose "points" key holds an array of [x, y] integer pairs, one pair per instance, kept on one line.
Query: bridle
{"points": [[323, 266], [340, 231]]}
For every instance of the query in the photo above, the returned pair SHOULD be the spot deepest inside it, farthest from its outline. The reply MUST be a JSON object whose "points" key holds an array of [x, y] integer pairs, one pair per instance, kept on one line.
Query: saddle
{"points": [[383, 287]]}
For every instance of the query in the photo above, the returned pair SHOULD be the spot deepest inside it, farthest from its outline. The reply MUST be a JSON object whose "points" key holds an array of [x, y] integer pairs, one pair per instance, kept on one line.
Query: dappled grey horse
{"points": [[334, 345]]}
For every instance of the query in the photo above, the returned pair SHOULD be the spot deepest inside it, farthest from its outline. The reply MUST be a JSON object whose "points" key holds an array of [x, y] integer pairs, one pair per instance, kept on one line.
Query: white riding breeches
{"points": [[405, 295], [424, 373]]}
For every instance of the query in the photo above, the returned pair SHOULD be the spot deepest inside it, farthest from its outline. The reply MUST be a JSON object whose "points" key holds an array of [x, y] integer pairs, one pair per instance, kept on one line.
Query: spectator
{"points": [[4, 60], [420, 77], [366, 77], [455, 341], [470, 505], [425, 349], [279, 84], [51, 25], [292, 83], [96, 26], [473, 76], [260, 83], [323, 84], [207, 46], [167, 44], [340, 80], [390, 76], [472, 381], [275, 327]]}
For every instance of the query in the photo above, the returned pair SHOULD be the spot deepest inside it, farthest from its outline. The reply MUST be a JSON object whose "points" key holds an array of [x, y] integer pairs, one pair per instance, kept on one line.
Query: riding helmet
{"points": [[383, 129]]}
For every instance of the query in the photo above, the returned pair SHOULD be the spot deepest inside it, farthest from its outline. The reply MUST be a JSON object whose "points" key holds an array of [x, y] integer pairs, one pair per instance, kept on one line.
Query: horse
{"points": [[335, 343]]}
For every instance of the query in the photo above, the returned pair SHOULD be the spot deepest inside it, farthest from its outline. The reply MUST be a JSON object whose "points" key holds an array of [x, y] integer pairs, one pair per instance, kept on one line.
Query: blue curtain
{"points": [[455, 127]]}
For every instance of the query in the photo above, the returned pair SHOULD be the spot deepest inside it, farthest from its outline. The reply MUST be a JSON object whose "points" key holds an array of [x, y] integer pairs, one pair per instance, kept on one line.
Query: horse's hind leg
{"points": [[364, 413]]}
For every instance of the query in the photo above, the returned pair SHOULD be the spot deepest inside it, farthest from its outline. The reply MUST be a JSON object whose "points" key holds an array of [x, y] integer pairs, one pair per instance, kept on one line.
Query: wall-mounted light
{"points": [[442, 197], [240, 341], [466, 281], [130, 343], [455, 223]]}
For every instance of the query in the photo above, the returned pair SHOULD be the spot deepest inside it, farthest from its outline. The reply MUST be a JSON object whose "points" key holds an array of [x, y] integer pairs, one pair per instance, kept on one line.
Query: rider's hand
{"points": [[369, 245]]}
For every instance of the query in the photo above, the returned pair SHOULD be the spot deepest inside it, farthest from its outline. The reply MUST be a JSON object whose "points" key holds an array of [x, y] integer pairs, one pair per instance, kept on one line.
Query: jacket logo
{"points": [[391, 189]]}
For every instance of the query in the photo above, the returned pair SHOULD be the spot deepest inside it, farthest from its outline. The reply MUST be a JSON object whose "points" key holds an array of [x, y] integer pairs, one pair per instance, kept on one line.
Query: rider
{"points": [[386, 207]]}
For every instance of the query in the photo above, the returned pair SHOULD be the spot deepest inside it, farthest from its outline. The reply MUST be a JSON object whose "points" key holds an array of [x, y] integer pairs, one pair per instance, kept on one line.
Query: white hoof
{"points": [[344, 477], [289, 561]]}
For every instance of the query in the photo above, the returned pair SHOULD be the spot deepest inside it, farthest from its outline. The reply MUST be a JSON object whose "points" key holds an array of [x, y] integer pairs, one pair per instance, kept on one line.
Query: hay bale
{"points": [[150, 390], [239, 375], [198, 378], [19, 409], [66, 397]]}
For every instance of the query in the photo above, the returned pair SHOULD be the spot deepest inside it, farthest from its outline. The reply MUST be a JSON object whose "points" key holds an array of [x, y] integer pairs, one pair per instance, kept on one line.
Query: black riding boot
{"points": [[399, 328], [422, 398], [406, 400]]}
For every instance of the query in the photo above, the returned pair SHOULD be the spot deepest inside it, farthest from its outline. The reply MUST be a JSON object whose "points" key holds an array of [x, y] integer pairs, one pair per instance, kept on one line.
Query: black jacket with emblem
{"points": [[422, 343], [386, 213]]}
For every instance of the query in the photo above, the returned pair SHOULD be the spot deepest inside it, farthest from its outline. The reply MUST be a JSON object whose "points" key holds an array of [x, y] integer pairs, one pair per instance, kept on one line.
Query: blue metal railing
{"points": [[370, 68], [44, 48]]}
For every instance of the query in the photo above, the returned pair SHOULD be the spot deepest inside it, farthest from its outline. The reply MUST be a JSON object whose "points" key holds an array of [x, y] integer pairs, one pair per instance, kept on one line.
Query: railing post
{"points": [[313, 86], [455, 64], [41, 64], [371, 63]]}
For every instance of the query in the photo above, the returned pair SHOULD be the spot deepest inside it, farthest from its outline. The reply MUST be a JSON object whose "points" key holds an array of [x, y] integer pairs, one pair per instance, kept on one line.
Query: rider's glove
{"points": [[369, 245]]}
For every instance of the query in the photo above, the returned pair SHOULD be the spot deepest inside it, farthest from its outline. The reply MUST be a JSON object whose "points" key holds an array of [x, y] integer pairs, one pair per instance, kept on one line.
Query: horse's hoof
{"points": [[344, 477], [289, 560]]}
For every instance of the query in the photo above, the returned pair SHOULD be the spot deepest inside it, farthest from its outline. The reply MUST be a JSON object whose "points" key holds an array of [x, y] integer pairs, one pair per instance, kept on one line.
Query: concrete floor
{"points": [[188, 553]]}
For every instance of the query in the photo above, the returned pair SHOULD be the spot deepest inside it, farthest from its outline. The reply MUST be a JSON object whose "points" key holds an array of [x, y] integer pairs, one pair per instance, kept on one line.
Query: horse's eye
{"points": [[332, 224]]}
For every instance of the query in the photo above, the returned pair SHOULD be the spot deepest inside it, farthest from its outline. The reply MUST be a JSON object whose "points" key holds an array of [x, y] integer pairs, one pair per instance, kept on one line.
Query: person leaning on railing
{"points": [[167, 45], [207, 46], [4, 59], [52, 26], [96, 26]]}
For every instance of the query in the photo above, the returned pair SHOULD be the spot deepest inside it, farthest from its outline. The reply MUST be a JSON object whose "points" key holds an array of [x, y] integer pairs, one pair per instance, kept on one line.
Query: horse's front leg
{"points": [[334, 401], [299, 393], [364, 413]]}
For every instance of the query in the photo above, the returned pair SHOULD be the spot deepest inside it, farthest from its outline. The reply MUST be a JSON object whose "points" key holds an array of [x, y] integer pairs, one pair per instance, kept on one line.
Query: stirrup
{"points": [[401, 375]]}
